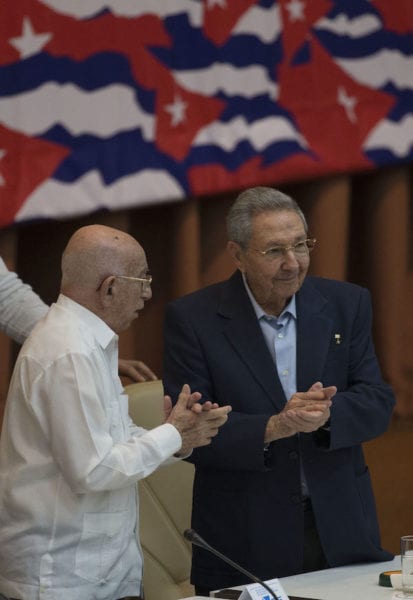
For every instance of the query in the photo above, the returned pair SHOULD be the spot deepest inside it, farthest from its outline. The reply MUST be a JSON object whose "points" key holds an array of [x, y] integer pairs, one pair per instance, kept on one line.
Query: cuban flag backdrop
{"points": [[121, 103]]}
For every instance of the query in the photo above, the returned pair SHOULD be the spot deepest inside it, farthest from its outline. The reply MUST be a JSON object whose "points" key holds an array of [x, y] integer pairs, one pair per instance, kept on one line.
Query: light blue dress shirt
{"points": [[280, 334]]}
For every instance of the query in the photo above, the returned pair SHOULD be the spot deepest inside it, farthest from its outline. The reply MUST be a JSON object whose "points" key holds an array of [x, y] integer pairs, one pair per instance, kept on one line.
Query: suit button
{"points": [[295, 498], [293, 455]]}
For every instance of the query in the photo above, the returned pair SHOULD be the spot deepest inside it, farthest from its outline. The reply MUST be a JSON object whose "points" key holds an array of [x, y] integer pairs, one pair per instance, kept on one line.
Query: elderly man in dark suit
{"points": [[284, 489]]}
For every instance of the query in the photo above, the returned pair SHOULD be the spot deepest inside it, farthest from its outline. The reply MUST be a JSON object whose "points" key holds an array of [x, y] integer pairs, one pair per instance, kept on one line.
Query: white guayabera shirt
{"points": [[70, 457]]}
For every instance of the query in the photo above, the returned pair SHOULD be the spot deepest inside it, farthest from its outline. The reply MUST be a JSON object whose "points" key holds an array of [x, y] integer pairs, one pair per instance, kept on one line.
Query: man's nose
{"points": [[147, 292], [289, 257]]}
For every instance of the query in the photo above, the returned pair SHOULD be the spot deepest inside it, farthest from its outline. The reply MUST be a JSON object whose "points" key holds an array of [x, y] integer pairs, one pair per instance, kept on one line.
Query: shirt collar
{"points": [[102, 332], [289, 310]]}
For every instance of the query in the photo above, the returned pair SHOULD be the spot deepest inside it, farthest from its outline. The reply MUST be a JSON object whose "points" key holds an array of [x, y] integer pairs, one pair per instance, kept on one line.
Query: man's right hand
{"points": [[304, 412], [197, 423]]}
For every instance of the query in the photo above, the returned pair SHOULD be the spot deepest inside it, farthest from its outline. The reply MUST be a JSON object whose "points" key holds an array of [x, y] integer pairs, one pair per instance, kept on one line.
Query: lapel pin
{"points": [[337, 338]]}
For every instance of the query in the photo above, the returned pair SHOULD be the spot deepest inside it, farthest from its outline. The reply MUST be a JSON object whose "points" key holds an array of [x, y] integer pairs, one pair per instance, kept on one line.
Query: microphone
{"points": [[192, 536]]}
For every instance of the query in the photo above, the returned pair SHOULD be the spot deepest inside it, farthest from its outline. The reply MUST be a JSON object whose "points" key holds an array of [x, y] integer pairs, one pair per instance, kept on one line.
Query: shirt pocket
{"points": [[103, 541]]}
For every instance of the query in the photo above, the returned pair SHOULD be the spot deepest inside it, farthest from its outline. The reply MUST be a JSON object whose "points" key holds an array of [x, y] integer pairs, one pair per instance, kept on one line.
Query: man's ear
{"points": [[235, 252], [106, 290]]}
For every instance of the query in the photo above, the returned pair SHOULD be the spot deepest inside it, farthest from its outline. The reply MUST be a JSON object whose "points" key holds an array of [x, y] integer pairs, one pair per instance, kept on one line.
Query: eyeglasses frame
{"points": [[146, 281], [285, 249]]}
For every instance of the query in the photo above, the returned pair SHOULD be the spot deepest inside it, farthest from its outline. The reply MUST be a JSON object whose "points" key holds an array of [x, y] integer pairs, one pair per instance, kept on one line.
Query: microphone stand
{"points": [[193, 537]]}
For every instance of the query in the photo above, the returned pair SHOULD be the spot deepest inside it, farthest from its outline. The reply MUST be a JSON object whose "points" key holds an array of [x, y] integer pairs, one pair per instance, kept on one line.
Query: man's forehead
{"points": [[142, 262], [278, 223]]}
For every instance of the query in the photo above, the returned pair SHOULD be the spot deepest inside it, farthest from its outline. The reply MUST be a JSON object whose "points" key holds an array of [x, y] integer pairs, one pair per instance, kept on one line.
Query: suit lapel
{"points": [[314, 331], [244, 334]]}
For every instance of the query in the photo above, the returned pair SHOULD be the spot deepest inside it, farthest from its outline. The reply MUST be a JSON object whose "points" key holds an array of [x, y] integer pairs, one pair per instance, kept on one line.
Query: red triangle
{"points": [[26, 163], [176, 139], [296, 31], [311, 92], [397, 16], [220, 19]]}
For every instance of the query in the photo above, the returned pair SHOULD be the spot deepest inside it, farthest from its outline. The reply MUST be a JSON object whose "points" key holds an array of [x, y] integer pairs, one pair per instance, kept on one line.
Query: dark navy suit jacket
{"points": [[246, 499]]}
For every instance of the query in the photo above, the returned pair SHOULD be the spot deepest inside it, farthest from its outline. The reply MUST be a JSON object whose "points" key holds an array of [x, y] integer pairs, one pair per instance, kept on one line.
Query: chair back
{"points": [[165, 500]]}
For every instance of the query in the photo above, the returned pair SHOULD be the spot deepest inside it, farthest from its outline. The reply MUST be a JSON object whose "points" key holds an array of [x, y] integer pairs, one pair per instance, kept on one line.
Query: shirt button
{"points": [[280, 335], [285, 372]]}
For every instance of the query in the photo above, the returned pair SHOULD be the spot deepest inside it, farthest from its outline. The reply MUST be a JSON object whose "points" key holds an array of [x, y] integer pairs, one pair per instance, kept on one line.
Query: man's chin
{"points": [[124, 326], [289, 286]]}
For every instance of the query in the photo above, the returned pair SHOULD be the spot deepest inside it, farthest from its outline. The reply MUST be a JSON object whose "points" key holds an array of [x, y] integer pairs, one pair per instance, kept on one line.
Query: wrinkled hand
{"points": [[304, 412], [192, 403], [197, 423], [135, 370]]}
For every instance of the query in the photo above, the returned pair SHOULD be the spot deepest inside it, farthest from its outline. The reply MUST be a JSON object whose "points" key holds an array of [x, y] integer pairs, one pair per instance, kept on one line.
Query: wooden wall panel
{"points": [[379, 260], [216, 263], [326, 205], [389, 460]]}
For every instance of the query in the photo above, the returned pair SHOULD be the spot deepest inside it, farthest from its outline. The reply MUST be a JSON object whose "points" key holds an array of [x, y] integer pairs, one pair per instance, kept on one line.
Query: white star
{"points": [[177, 111], [220, 3], [348, 103], [296, 10], [2, 180], [30, 42]]}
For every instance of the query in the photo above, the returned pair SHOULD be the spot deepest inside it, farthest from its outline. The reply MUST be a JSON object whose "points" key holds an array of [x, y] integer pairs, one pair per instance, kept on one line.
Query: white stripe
{"points": [[388, 135], [102, 113], [380, 68], [88, 194], [260, 22], [259, 134], [265, 24], [245, 81], [354, 28], [126, 8]]}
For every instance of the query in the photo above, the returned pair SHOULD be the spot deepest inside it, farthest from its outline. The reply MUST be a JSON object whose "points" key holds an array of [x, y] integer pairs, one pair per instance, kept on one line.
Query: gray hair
{"points": [[255, 201]]}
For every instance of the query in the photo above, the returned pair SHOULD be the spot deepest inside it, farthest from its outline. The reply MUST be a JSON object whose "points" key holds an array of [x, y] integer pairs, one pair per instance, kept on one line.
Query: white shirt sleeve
{"points": [[20, 307], [88, 427]]}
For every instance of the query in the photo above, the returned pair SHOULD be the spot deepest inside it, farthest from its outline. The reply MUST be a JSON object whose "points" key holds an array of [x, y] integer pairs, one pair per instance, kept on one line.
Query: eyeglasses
{"points": [[145, 281], [300, 249]]}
